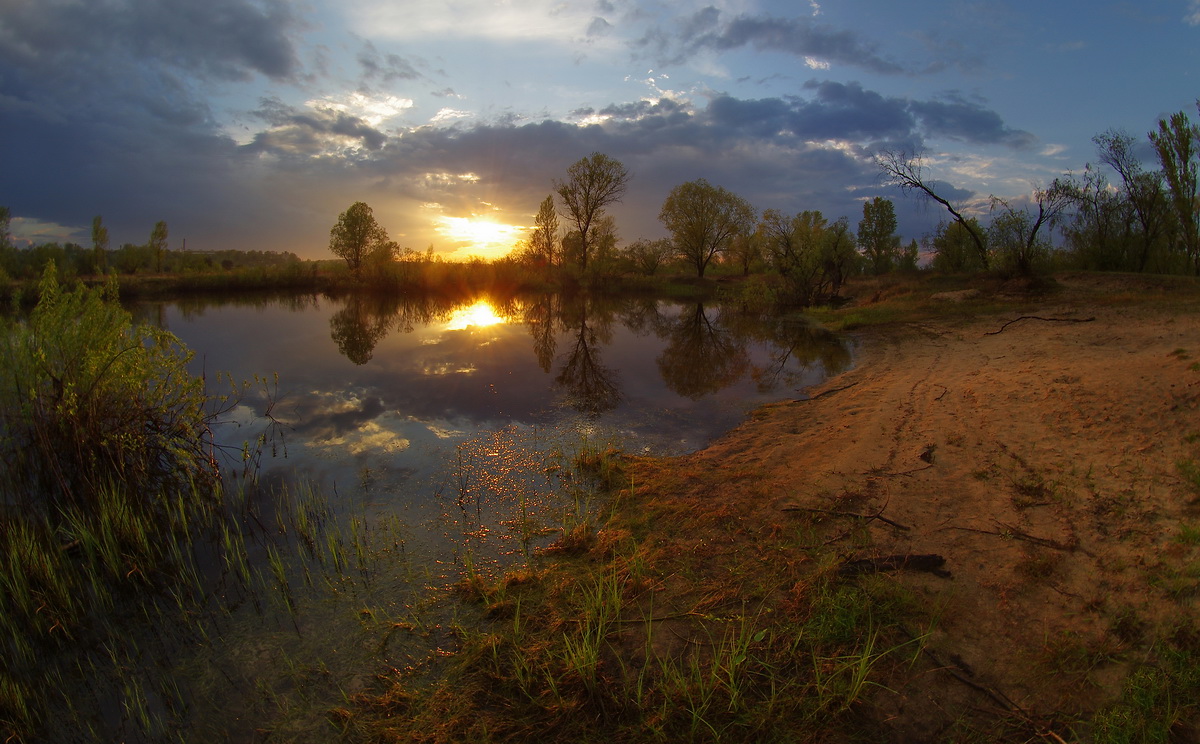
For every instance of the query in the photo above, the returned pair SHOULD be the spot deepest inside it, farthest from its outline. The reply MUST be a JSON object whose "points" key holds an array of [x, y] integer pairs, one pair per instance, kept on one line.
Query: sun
{"points": [[479, 315], [480, 236]]}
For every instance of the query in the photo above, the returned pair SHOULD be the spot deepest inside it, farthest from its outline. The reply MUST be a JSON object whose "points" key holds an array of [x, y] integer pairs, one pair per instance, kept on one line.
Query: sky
{"points": [[252, 124]]}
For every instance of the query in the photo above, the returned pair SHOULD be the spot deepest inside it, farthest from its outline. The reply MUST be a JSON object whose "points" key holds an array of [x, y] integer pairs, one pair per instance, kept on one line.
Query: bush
{"points": [[89, 401]]}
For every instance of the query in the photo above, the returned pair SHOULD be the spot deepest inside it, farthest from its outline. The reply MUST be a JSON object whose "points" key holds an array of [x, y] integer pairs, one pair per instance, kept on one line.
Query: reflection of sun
{"points": [[480, 314], [484, 238]]}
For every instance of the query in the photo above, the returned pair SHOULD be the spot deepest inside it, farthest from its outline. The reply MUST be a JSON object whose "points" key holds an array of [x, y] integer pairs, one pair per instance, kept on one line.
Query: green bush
{"points": [[89, 401]]}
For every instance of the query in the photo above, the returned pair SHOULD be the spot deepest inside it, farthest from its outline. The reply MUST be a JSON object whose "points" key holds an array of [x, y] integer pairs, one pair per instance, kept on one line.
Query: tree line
{"points": [[152, 257], [1143, 221]]}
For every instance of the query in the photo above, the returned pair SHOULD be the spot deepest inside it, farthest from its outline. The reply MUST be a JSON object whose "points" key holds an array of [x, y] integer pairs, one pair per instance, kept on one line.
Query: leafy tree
{"points": [[1143, 189], [356, 236], [99, 244], [648, 256], [745, 251], [905, 171], [592, 184], [1177, 143], [543, 242], [877, 234], [703, 219], [812, 256], [954, 248], [158, 244], [907, 259], [1100, 234], [1014, 232]]}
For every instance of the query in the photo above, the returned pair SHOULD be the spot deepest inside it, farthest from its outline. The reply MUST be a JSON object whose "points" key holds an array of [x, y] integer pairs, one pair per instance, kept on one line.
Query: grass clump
{"points": [[108, 467]]}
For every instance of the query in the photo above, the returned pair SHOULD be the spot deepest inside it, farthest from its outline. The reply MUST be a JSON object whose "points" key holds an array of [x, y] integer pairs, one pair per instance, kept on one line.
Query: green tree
{"points": [[356, 236], [1014, 233], [954, 247], [648, 256], [703, 219], [158, 244], [1177, 143], [1143, 189], [543, 242], [592, 184], [99, 245], [877, 234]]}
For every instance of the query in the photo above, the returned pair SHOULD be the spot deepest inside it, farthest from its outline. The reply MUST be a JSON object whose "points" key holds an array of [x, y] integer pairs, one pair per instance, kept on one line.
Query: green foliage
{"points": [[358, 238], [592, 184], [88, 400], [704, 219], [877, 235]]}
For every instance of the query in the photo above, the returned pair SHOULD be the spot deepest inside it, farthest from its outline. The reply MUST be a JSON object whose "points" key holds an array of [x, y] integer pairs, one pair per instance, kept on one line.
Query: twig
{"points": [[1037, 317], [853, 515]]}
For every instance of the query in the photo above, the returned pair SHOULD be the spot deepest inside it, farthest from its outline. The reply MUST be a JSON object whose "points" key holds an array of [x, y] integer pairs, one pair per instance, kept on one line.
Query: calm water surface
{"points": [[452, 423]]}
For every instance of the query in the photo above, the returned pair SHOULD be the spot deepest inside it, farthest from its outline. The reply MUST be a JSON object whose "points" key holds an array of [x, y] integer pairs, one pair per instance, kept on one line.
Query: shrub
{"points": [[89, 401]]}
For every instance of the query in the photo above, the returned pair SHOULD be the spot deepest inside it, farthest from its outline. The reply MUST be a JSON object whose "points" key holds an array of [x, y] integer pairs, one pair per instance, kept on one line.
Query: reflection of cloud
{"points": [[372, 436]]}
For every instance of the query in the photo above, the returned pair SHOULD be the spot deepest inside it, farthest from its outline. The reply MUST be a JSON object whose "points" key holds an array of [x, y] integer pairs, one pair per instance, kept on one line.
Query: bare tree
{"points": [[905, 171], [592, 184]]}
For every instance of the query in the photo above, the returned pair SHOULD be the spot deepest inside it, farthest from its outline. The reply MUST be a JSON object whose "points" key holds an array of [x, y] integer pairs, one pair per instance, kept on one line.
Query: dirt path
{"points": [[1038, 458]]}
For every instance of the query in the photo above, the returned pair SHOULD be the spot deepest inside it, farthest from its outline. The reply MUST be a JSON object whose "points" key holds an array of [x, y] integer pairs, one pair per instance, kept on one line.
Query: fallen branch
{"points": [[1038, 317], [853, 515], [930, 563]]}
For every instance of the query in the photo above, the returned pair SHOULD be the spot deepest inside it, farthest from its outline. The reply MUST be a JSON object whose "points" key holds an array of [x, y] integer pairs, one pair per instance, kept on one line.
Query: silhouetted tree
{"points": [[99, 245], [158, 244], [592, 184], [356, 235], [877, 234]]}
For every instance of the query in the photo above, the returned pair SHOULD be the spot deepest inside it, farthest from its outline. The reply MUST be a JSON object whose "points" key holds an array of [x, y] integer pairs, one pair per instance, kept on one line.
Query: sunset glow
{"points": [[481, 237], [479, 315]]}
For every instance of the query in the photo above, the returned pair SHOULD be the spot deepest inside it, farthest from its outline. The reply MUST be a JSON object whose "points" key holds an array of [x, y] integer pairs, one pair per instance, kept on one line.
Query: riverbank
{"points": [[988, 530], [1046, 452]]}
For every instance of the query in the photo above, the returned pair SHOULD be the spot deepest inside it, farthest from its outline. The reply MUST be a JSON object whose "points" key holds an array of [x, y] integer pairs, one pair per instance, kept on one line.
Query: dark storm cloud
{"points": [[308, 133], [955, 117], [223, 39], [803, 37]]}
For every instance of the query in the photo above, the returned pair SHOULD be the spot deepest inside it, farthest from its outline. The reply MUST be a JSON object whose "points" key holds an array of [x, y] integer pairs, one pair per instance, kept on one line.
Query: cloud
{"points": [[1192, 16], [953, 116], [803, 38], [319, 131]]}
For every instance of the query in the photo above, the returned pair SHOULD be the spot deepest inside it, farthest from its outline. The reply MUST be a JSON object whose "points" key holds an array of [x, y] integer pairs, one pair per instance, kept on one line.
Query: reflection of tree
{"points": [[592, 386], [794, 347], [356, 329], [702, 356], [366, 318], [540, 316]]}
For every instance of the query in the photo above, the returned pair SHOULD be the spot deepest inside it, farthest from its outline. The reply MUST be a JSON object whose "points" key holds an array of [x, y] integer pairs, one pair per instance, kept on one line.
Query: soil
{"points": [[1037, 455]]}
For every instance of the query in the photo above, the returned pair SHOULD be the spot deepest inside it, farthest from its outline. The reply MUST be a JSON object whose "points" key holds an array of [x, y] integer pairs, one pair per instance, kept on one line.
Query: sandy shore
{"points": [[1038, 457]]}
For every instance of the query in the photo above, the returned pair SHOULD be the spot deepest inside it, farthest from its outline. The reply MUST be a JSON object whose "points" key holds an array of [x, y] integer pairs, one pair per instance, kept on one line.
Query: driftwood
{"points": [[929, 562], [853, 515], [1037, 317]]}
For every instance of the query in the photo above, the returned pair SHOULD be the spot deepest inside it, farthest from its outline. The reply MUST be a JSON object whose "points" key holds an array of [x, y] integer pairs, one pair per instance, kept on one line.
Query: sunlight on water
{"points": [[479, 315]]}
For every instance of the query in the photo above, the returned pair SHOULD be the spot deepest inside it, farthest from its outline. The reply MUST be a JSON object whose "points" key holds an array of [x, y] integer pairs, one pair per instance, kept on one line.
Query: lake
{"points": [[441, 434]]}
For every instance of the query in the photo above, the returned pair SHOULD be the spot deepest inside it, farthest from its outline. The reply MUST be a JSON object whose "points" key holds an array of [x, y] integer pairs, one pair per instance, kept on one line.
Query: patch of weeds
{"points": [[1189, 534], [1039, 565], [1072, 654], [1180, 354], [1180, 583], [1190, 470], [1160, 701], [1032, 490]]}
